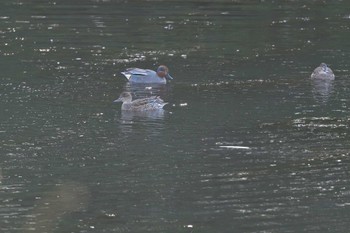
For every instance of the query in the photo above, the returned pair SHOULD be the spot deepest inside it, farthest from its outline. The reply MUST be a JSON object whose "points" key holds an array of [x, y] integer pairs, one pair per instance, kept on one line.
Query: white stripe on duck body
{"points": [[323, 72], [145, 104], [137, 75]]}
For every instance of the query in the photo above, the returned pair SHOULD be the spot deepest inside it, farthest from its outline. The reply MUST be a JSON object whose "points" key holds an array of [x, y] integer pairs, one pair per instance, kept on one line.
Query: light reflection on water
{"points": [[172, 163]]}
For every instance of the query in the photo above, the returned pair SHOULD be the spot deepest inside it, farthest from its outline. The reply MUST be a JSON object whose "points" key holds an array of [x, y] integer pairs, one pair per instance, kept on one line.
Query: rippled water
{"points": [[247, 143]]}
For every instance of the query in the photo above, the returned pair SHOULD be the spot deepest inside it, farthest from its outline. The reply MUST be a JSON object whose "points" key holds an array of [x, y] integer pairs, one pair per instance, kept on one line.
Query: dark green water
{"points": [[247, 143]]}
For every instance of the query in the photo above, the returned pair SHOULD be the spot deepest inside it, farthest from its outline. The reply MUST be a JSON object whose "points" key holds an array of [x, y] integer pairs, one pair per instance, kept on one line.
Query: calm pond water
{"points": [[247, 143]]}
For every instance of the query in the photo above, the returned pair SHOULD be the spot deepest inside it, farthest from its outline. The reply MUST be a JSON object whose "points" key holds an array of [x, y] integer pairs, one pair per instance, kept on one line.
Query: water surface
{"points": [[247, 143]]}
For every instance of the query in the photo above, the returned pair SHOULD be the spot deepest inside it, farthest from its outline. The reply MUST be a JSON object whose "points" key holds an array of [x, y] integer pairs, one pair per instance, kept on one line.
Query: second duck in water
{"points": [[323, 72], [146, 104], [137, 75]]}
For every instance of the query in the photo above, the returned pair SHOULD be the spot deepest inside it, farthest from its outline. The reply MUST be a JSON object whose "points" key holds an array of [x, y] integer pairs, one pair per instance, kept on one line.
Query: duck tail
{"points": [[126, 74]]}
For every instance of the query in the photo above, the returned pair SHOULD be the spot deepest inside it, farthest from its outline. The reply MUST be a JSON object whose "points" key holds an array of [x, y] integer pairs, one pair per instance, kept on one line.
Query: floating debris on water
{"points": [[236, 147], [180, 105]]}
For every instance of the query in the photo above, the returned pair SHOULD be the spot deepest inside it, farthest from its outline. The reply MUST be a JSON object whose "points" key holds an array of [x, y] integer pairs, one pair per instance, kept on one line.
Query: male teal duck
{"points": [[137, 75], [146, 104], [323, 72]]}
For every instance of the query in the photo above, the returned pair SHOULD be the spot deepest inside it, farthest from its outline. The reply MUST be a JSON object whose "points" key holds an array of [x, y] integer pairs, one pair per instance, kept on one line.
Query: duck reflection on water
{"points": [[322, 89], [130, 116]]}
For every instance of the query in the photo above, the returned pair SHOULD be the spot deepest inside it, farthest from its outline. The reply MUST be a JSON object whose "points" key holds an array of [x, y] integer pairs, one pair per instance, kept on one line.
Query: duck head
{"points": [[163, 72], [323, 66], [124, 97]]}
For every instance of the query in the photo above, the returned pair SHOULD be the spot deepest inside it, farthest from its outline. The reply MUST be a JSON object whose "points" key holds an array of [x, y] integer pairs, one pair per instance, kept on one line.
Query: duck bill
{"points": [[117, 100], [169, 77]]}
